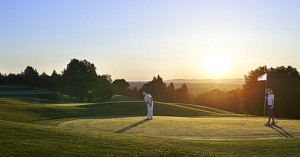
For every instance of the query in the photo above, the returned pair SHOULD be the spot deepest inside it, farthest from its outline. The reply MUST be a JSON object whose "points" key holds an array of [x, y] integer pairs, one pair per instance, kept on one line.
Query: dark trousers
{"points": [[270, 112]]}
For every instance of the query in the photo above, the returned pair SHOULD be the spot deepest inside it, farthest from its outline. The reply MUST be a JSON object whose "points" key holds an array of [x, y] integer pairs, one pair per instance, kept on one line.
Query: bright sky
{"points": [[138, 39]]}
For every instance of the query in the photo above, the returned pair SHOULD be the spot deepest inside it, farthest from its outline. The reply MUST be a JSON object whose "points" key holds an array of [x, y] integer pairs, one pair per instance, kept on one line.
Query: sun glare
{"points": [[217, 65]]}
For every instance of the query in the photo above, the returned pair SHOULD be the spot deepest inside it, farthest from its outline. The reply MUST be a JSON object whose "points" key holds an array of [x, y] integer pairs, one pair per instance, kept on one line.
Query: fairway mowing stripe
{"points": [[191, 108], [169, 104], [205, 107]]}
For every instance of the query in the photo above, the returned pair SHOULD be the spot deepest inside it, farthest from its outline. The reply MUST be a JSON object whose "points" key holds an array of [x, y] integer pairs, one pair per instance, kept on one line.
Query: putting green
{"points": [[204, 128]]}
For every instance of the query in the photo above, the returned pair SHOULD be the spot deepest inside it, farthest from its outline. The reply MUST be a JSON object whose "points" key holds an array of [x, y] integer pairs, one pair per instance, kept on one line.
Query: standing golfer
{"points": [[270, 101], [149, 100]]}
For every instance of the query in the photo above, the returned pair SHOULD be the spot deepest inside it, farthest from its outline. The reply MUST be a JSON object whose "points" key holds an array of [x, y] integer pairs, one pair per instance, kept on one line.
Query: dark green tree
{"points": [[80, 80], [46, 82], [14, 79], [56, 78], [2, 79], [120, 86], [31, 77], [225, 100], [182, 94], [78, 77], [171, 92], [157, 88], [105, 90], [233, 99]]}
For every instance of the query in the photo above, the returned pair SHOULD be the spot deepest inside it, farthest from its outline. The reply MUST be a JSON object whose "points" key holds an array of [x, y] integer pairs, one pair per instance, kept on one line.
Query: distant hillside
{"points": [[224, 81], [198, 86]]}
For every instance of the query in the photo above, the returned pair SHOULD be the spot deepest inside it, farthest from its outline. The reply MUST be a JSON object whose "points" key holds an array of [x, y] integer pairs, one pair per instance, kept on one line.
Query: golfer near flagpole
{"points": [[264, 77], [270, 100]]}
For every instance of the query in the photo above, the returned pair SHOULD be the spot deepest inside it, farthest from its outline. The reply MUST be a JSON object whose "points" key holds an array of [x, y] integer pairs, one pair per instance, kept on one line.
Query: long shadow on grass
{"points": [[281, 131], [131, 126]]}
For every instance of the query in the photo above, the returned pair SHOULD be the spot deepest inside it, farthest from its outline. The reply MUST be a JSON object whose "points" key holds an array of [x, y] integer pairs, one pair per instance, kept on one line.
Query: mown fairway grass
{"points": [[206, 128], [33, 125]]}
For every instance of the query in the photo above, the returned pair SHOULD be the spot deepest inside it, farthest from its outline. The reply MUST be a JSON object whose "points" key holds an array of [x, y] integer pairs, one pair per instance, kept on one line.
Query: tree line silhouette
{"points": [[160, 91], [80, 81], [156, 87]]}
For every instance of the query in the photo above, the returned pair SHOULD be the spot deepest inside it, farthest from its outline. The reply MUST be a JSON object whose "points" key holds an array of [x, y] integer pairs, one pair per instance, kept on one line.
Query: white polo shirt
{"points": [[148, 99], [270, 99]]}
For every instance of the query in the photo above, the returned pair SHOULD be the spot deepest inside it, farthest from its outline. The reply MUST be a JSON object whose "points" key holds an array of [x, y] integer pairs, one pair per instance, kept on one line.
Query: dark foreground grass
{"points": [[20, 139]]}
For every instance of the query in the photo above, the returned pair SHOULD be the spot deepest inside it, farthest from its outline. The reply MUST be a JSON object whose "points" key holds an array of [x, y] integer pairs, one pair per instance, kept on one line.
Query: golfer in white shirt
{"points": [[270, 101], [149, 100]]}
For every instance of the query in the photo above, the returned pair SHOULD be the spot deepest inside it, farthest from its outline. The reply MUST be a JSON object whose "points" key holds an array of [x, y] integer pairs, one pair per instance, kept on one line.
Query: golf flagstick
{"points": [[264, 77], [265, 100]]}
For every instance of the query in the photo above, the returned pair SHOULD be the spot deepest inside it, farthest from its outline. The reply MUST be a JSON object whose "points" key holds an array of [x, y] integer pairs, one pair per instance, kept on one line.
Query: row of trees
{"points": [[157, 88], [78, 80], [160, 91], [31, 78], [225, 100]]}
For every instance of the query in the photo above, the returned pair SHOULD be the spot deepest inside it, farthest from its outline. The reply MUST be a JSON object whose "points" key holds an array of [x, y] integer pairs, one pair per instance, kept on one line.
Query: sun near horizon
{"points": [[217, 65]]}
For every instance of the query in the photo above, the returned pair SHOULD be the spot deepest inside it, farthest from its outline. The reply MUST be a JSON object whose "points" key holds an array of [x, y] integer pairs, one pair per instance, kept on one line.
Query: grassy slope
{"points": [[38, 108], [22, 134]]}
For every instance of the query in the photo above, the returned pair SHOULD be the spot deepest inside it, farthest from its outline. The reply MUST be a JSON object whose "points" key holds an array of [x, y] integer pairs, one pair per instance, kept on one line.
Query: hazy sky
{"points": [[137, 39]]}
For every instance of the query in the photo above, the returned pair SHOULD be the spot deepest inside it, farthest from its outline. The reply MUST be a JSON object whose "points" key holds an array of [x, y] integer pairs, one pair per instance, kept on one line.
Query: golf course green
{"points": [[43, 123]]}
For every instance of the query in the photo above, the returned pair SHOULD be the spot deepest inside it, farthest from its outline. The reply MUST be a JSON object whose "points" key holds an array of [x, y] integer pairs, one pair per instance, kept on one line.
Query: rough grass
{"points": [[38, 125]]}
